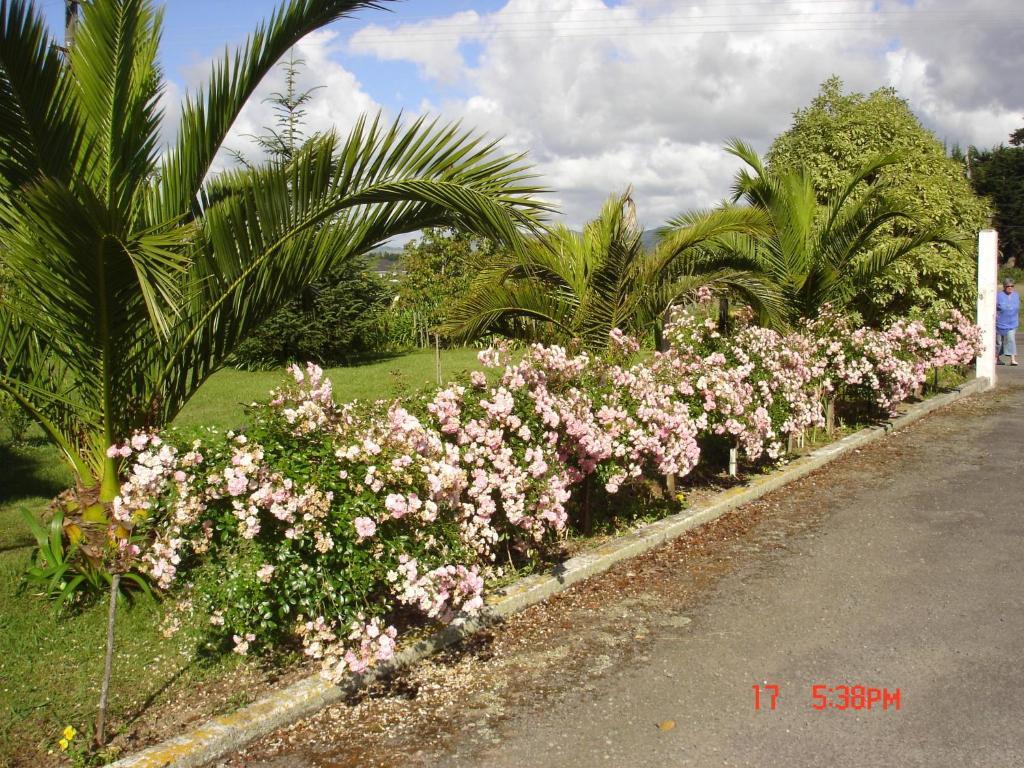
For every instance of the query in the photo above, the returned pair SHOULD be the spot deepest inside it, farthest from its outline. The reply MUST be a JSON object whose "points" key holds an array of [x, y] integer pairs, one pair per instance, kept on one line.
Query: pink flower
{"points": [[365, 527], [355, 663], [396, 505], [238, 484], [242, 644]]}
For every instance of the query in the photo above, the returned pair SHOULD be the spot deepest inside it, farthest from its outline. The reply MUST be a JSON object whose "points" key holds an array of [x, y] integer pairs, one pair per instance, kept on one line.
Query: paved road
{"points": [[901, 568]]}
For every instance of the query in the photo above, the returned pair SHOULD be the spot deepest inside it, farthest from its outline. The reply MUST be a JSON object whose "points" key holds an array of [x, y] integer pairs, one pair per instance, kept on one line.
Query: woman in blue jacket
{"points": [[1007, 318]]}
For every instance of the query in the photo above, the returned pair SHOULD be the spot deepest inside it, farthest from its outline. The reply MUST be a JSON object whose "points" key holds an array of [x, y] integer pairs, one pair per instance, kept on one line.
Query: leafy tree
{"points": [[1017, 138], [336, 321], [838, 134], [435, 272], [136, 274], [817, 254], [998, 173], [576, 287]]}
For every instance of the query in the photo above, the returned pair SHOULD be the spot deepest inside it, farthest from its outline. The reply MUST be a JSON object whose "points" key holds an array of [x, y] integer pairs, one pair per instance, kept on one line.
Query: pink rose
{"points": [[396, 505], [365, 527]]}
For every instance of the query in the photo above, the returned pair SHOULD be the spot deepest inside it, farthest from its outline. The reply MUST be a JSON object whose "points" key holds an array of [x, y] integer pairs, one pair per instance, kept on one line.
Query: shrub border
{"points": [[226, 733]]}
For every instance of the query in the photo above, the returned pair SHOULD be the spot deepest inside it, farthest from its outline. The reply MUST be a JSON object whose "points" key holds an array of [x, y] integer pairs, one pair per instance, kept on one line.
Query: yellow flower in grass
{"points": [[67, 736]]}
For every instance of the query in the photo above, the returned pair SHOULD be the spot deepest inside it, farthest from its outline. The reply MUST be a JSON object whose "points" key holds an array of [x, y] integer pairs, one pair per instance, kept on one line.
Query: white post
{"points": [[734, 455], [988, 276]]}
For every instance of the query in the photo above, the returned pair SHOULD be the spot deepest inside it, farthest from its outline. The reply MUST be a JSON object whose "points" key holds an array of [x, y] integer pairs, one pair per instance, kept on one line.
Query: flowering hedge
{"points": [[332, 526]]}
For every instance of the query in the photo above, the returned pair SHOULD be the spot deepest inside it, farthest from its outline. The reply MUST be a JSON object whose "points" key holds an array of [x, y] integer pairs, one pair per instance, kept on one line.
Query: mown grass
{"points": [[50, 665], [221, 401]]}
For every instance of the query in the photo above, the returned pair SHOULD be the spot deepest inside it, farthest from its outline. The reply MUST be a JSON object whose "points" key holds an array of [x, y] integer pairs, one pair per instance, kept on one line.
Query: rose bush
{"points": [[885, 366], [334, 527]]}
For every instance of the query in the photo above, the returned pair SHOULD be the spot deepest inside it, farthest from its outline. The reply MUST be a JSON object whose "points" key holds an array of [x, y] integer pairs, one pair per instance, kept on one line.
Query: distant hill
{"points": [[649, 238], [386, 258]]}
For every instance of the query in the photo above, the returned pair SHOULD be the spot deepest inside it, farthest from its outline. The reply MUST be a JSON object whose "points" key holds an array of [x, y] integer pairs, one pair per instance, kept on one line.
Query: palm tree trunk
{"points": [[723, 315], [660, 343], [659, 338]]}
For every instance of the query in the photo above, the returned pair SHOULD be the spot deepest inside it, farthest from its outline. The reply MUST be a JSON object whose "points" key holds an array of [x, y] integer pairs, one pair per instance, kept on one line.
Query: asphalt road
{"points": [[899, 569]]}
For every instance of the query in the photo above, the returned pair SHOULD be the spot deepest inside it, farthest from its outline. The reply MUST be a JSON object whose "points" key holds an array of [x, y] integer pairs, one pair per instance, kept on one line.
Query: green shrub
{"points": [[14, 421], [337, 321], [836, 134]]}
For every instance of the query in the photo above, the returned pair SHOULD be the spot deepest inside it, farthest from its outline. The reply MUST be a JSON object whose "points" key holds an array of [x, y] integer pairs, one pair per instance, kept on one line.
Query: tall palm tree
{"points": [[577, 286], [815, 254], [134, 272]]}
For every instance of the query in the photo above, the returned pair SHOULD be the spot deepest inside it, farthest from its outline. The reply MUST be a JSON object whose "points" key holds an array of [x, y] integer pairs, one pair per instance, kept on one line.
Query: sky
{"points": [[603, 94]]}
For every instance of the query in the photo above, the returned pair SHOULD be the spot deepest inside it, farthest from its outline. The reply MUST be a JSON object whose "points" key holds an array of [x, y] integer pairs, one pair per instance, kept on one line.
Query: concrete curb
{"points": [[227, 733]]}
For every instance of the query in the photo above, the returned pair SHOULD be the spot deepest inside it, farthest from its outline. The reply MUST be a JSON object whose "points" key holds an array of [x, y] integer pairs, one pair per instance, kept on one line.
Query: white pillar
{"points": [[988, 277]]}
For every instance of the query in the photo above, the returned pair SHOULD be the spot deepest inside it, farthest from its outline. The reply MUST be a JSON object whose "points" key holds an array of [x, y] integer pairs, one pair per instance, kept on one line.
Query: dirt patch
{"points": [[185, 704]]}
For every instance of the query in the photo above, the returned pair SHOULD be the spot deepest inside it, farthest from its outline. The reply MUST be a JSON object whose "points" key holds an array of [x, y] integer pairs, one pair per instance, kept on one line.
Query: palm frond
{"points": [[118, 86], [865, 174], [33, 381], [41, 132], [208, 114], [281, 226], [686, 234], [488, 306]]}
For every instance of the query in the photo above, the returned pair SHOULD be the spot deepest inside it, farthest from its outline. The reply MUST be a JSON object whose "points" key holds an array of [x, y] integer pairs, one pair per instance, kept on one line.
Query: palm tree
{"points": [[815, 254], [134, 272], [572, 286]]}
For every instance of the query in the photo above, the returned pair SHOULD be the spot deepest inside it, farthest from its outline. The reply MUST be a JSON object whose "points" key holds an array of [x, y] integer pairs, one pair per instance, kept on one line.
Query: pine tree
{"points": [[999, 175], [280, 142]]}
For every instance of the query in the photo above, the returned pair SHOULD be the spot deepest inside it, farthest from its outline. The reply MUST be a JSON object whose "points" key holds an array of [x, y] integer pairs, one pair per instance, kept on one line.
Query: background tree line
{"points": [[998, 174]]}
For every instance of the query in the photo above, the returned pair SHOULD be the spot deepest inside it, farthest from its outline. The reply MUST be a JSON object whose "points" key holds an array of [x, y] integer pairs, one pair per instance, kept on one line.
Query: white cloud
{"points": [[170, 103], [434, 45], [336, 104], [647, 91], [971, 121]]}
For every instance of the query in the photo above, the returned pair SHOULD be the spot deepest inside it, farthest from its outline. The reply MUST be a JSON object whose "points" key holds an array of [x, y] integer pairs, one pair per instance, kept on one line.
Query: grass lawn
{"points": [[221, 401], [50, 666]]}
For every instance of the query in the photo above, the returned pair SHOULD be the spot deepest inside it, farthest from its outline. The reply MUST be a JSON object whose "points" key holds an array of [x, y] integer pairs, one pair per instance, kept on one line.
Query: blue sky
{"points": [[195, 30]]}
